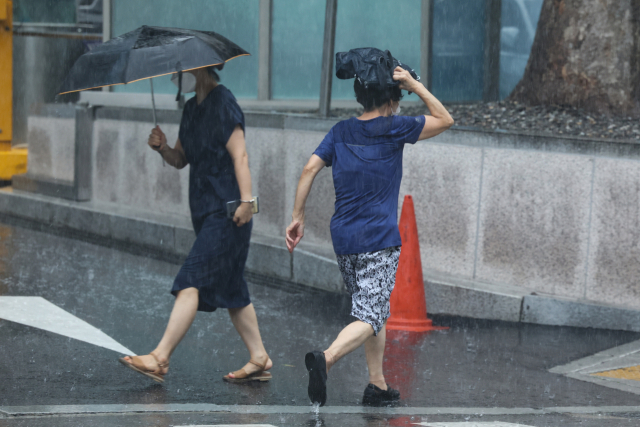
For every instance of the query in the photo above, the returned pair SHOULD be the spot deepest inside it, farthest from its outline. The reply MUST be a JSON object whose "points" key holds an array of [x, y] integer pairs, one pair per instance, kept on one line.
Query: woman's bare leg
{"points": [[350, 338], [374, 350], [246, 323], [182, 315]]}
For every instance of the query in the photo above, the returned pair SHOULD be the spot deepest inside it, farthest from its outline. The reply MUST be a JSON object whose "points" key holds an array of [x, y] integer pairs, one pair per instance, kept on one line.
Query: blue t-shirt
{"points": [[366, 156]]}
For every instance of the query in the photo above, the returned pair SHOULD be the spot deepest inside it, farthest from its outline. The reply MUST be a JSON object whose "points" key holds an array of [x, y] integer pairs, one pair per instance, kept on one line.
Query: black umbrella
{"points": [[148, 52]]}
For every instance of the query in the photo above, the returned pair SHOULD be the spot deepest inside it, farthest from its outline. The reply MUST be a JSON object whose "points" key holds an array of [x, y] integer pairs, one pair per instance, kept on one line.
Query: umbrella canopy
{"points": [[148, 52], [372, 66]]}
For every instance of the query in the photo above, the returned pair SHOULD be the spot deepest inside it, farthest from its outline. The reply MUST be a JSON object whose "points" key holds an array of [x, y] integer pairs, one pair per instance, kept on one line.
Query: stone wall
{"points": [[51, 146], [528, 213], [126, 171]]}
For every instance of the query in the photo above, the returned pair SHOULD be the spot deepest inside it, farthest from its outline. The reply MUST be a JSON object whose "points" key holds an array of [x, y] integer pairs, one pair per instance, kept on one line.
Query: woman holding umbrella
{"points": [[211, 140], [366, 156]]}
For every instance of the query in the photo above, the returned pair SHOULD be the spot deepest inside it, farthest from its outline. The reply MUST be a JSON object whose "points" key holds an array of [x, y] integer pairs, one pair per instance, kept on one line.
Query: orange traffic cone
{"points": [[408, 305]]}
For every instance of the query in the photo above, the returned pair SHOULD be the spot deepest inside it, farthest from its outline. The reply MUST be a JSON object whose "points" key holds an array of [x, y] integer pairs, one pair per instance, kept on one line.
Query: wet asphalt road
{"points": [[473, 364], [322, 420]]}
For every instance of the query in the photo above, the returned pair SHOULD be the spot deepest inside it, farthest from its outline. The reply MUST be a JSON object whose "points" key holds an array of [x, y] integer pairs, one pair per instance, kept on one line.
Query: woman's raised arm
{"points": [[440, 119]]}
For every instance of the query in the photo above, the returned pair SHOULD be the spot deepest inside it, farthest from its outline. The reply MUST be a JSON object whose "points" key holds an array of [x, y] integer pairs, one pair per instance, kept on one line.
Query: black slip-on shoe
{"points": [[317, 367], [375, 396]]}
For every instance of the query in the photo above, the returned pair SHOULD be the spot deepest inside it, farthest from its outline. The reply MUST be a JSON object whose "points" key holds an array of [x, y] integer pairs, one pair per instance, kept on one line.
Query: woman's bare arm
{"points": [[295, 230], [440, 119], [236, 147], [174, 156]]}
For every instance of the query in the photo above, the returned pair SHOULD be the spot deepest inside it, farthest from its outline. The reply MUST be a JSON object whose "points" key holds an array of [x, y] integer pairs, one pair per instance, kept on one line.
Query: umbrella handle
{"points": [[155, 119]]}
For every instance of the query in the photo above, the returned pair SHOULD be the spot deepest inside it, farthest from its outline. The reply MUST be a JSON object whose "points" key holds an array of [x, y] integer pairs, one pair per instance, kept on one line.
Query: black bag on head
{"points": [[372, 66]]}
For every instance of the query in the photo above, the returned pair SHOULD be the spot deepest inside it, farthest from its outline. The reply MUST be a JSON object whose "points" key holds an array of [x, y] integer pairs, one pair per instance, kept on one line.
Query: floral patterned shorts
{"points": [[370, 278]]}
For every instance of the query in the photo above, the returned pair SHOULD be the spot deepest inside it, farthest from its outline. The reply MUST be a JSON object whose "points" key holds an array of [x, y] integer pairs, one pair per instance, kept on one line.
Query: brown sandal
{"points": [[138, 366], [242, 376]]}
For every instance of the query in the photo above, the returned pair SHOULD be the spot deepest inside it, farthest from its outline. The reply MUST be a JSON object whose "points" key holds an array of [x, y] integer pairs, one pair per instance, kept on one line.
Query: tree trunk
{"points": [[586, 55]]}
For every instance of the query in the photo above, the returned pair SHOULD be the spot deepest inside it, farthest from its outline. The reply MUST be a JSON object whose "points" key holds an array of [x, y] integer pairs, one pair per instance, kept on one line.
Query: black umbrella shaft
{"points": [[155, 119], [153, 103]]}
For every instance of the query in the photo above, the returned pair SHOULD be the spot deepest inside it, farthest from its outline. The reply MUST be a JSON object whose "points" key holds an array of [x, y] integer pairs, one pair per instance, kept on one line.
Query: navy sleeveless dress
{"points": [[216, 262]]}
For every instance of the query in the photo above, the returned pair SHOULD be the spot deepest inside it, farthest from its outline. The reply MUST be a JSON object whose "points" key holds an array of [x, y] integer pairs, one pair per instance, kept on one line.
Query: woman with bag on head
{"points": [[212, 142], [366, 156]]}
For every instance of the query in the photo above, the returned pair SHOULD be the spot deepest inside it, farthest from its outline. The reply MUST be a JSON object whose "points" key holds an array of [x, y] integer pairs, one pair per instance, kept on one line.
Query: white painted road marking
{"points": [[39, 313], [472, 424], [230, 425], [618, 357]]}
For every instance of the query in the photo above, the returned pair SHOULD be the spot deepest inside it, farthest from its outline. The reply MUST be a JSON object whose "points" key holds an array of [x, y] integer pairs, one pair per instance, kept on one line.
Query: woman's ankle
{"points": [[261, 357], [161, 358], [329, 359], [378, 381]]}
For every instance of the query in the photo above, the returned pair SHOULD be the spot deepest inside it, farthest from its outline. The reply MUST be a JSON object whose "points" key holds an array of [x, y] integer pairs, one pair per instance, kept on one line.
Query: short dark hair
{"points": [[212, 71], [373, 97]]}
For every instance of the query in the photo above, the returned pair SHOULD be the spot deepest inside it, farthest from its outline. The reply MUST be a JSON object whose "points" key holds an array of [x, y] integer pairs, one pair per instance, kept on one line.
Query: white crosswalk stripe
{"points": [[39, 313]]}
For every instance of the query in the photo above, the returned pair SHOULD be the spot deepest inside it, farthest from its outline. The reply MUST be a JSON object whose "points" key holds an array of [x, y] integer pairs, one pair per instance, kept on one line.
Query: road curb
{"points": [[57, 410], [453, 296], [163, 236], [170, 238]]}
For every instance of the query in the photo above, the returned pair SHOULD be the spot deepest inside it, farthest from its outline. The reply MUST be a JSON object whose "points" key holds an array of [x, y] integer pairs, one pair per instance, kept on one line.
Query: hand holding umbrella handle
{"points": [[157, 140]]}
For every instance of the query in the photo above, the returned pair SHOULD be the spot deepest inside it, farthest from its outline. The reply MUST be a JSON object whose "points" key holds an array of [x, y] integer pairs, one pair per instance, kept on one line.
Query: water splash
{"points": [[315, 408]]}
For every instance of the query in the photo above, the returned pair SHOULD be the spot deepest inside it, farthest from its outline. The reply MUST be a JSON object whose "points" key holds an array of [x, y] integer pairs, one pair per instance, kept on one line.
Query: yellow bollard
{"points": [[13, 161], [6, 74]]}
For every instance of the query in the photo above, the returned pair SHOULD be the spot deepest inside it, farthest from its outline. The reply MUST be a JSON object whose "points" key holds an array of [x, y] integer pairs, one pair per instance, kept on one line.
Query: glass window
{"points": [[45, 11], [235, 19], [534, 7], [393, 26], [458, 50], [518, 28], [298, 33]]}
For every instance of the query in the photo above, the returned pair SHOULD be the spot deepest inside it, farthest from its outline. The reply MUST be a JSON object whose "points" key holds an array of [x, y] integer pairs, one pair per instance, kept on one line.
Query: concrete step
{"points": [[169, 237]]}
